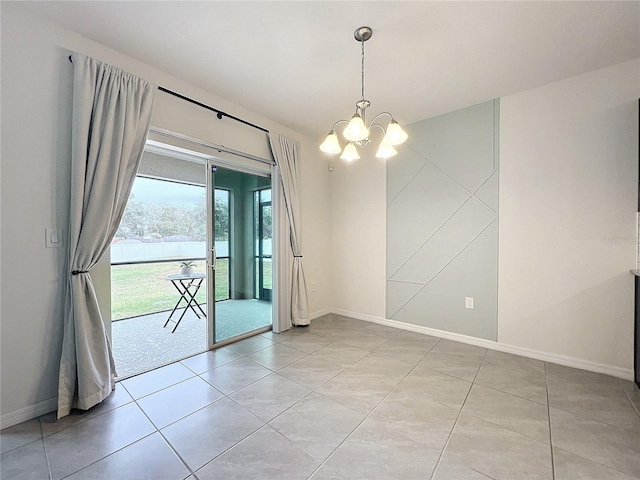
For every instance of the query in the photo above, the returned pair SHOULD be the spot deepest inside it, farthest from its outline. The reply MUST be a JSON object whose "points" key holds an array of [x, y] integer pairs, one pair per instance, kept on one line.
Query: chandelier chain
{"points": [[356, 133], [362, 72]]}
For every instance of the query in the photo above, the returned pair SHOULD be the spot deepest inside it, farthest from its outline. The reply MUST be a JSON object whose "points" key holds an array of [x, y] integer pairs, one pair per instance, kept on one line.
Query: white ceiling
{"points": [[298, 64]]}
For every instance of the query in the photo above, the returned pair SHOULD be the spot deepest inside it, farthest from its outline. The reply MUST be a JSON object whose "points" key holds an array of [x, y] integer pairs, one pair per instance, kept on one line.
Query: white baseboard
{"points": [[27, 413], [320, 313], [567, 361]]}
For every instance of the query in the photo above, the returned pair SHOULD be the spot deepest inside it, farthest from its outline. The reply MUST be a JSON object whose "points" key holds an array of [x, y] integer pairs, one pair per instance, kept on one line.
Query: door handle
{"points": [[214, 259]]}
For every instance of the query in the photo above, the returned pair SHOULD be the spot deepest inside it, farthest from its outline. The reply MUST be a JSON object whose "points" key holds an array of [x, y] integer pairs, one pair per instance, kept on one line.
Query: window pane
{"points": [[162, 220]]}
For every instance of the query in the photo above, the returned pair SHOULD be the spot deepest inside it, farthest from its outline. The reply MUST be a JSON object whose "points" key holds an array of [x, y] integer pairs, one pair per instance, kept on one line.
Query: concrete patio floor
{"points": [[141, 343]]}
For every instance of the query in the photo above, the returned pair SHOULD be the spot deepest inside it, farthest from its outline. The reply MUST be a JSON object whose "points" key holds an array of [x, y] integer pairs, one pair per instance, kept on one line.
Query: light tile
{"points": [[331, 331], [461, 349], [436, 387], [205, 434], [326, 473], [361, 394], [235, 375], [81, 445], [19, 435], [265, 455], [27, 462], [307, 343], [514, 413], [50, 423], [276, 356], [310, 372], [381, 368], [173, 403], [341, 354], [514, 362], [526, 384], [606, 402], [147, 459], [617, 448], [381, 330], [250, 345], [633, 392], [363, 340], [449, 470], [282, 336], [210, 360], [404, 353], [568, 466], [157, 379], [454, 363], [423, 421], [560, 373], [413, 339], [497, 452], [326, 424], [270, 396], [348, 322], [375, 451]]}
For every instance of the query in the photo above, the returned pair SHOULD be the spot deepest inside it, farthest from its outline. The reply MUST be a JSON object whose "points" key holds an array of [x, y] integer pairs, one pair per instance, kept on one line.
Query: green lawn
{"points": [[142, 289]]}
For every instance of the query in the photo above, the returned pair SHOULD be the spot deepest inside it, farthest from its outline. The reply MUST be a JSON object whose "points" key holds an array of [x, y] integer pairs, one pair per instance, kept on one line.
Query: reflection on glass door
{"points": [[263, 237], [239, 252]]}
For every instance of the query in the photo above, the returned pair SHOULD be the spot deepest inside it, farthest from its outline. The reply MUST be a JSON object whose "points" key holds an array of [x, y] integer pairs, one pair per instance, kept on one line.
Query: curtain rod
{"points": [[219, 113]]}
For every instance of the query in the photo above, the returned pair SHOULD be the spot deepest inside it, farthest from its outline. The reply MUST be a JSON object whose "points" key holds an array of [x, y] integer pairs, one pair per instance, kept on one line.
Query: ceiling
{"points": [[298, 63]]}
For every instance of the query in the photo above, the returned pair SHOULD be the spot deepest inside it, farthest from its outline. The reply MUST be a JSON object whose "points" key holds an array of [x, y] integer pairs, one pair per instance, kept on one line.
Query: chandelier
{"points": [[356, 133]]}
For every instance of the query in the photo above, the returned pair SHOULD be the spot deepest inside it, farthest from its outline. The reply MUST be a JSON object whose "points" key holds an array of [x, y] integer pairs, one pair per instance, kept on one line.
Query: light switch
{"points": [[53, 237], [468, 302]]}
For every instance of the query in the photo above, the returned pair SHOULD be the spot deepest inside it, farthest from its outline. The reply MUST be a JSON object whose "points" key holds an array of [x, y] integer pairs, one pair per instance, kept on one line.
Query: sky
{"points": [[148, 190]]}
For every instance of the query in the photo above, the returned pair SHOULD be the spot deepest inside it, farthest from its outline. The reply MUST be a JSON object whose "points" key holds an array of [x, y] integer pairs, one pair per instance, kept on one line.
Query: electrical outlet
{"points": [[468, 302]]}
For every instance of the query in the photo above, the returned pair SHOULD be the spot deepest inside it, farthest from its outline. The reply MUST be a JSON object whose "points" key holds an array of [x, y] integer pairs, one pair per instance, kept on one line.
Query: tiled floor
{"points": [[343, 399]]}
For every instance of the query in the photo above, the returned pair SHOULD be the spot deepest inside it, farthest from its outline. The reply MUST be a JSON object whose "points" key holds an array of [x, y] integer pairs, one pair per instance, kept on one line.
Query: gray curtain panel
{"points": [[286, 154], [111, 116]]}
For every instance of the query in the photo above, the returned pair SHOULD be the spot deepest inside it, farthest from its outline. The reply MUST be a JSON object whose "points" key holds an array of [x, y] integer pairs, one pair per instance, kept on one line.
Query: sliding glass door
{"points": [[238, 252]]}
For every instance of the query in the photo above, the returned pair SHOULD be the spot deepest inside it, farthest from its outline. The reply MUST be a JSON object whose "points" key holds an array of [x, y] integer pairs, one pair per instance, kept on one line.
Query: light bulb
{"points": [[356, 130], [386, 150], [395, 134], [350, 153], [331, 144]]}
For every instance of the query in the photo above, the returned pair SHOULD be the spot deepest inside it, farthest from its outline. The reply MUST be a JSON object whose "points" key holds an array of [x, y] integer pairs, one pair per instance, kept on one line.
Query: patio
{"points": [[140, 343]]}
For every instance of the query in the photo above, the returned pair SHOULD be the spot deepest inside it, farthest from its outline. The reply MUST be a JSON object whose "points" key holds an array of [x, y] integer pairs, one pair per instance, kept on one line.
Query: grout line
{"points": [[110, 454], [372, 411], [44, 448], [546, 386], [446, 444], [633, 405], [163, 437]]}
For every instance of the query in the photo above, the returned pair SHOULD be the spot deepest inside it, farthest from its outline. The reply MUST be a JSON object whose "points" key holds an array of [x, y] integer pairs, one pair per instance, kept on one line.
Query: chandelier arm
{"points": [[379, 115], [338, 123], [377, 125]]}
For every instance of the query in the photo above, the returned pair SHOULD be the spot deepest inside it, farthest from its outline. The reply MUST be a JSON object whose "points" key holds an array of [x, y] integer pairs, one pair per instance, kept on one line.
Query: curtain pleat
{"points": [[111, 117], [286, 154]]}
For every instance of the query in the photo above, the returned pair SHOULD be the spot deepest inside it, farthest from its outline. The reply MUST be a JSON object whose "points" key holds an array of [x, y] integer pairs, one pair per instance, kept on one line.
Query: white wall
{"points": [[36, 100], [568, 197], [358, 234]]}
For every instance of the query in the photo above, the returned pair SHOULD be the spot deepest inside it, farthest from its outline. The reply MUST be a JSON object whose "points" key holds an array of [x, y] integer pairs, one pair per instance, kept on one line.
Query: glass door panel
{"points": [[239, 253]]}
